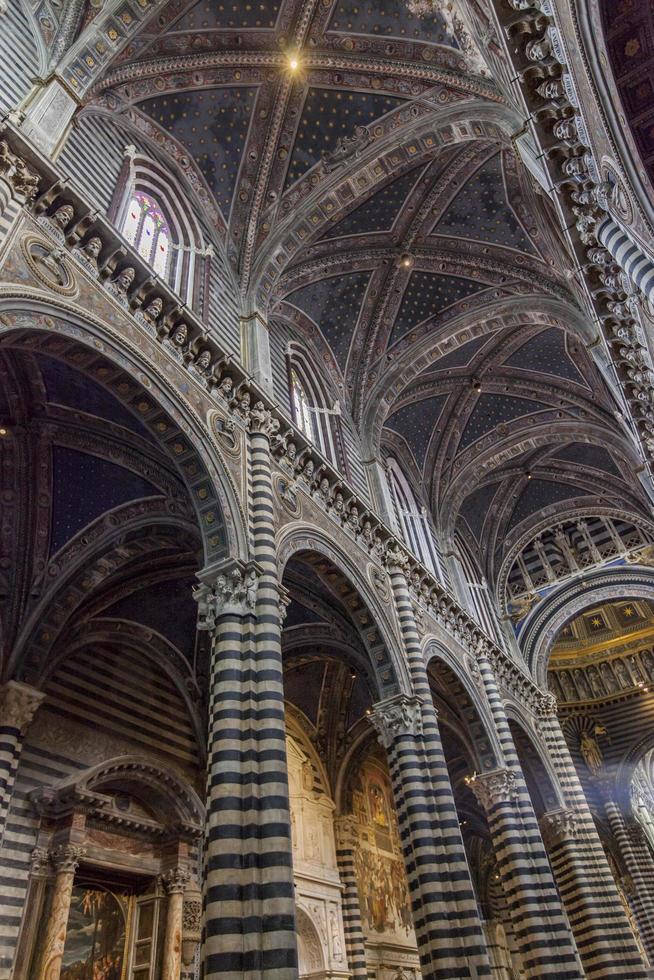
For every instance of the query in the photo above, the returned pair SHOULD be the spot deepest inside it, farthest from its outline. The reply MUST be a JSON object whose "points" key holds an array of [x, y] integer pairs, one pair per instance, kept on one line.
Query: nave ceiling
{"points": [[371, 205]]}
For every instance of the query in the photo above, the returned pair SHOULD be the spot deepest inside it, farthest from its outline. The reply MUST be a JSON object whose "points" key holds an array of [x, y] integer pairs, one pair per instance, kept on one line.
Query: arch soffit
{"points": [[28, 313], [516, 714], [545, 621], [392, 677], [433, 649], [297, 726]]}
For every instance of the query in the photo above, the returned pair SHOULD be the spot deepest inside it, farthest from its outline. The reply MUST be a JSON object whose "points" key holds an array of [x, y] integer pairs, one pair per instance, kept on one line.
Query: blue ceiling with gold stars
{"points": [[327, 115], [166, 607], [212, 125], [480, 211], [539, 494], [426, 295], [491, 410], [379, 212], [389, 18], [84, 487], [416, 423], [334, 304], [229, 14], [587, 455], [546, 352], [475, 507], [459, 357]]}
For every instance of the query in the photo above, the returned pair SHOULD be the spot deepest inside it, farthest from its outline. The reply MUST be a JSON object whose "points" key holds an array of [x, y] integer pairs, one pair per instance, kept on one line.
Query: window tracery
{"points": [[414, 522], [313, 414], [147, 229]]}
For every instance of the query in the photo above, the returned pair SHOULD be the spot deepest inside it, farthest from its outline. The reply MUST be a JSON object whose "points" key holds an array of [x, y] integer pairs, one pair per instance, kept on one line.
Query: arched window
{"points": [[301, 405], [414, 523], [146, 228], [320, 421], [478, 595], [154, 218]]}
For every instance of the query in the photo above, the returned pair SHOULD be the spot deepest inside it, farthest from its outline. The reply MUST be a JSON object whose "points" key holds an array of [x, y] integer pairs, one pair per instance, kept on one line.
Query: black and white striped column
{"points": [[450, 889], [636, 861], [540, 924], [18, 703], [352, 925], [627, 254], [249, 906], [602, 930]]}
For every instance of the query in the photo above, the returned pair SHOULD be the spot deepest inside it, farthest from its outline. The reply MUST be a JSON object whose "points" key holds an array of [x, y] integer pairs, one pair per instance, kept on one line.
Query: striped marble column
{"points": [[602, 930], [460, 890], [18, 703], [450, 938], [249, 929], [635, 861], [627, 254], [540, 925], [352, 926]]}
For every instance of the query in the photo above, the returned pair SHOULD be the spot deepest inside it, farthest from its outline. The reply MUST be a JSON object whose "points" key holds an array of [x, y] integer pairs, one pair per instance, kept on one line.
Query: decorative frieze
{"points": [[399, 715]]}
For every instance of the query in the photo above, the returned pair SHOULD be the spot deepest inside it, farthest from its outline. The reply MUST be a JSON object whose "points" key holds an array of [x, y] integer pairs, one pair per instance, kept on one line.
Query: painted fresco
{"points": [[96, 935], [381, 878]]}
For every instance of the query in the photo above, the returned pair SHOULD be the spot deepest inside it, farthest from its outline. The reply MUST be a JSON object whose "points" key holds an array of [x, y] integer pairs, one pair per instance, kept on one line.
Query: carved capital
{"points": [[492, 788], [40, 866], [229, 588], [395, 557], [399, 715], [18, 704], [175, 880], [546, 705], [66, 858], [284, 602], [558, 825], [263, 421]]}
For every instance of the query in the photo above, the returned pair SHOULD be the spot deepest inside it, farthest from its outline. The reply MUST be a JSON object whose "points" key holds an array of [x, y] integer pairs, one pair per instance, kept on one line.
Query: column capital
{"points": [[228, 587], [492, 788], [18, 704], [558, 825], [396, 559], [175, 880], [66, 858], [546, 705], [263, 421], [399, 715]]}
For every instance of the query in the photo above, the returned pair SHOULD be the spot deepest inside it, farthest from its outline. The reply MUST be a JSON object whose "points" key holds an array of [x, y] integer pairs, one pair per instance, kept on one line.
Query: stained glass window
{"points": [[146, 228], [301, 405]]}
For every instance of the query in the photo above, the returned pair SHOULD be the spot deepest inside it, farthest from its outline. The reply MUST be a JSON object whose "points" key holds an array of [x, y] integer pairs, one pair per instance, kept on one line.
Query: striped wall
{"points": [[19, 56], [93, 711], [93, 156], [280, 336]]}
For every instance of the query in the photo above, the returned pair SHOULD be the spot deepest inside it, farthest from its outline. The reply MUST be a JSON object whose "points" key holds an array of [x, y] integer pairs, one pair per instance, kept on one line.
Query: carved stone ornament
{"points": [[18, 704], [493, 788], [230, 589], [66, 858], [263, 421], [395, 557], [546, 705], [558, 825], [18, 174], [175, 880], [40, 866], [346, 827], [399, 715], [48, 265]]}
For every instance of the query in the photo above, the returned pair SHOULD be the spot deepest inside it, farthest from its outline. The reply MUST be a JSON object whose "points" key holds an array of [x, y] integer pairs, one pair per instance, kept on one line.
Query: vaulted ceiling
{"points": [[372, 204]]}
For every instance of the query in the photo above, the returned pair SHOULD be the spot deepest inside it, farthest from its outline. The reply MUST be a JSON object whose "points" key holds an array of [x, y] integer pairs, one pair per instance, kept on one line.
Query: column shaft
{"points": [[604, 937], [627, 254], [636, 864], [540, 925], [448, 843], [171, 961], [65, 859], [352, 925], [249, 891]]}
